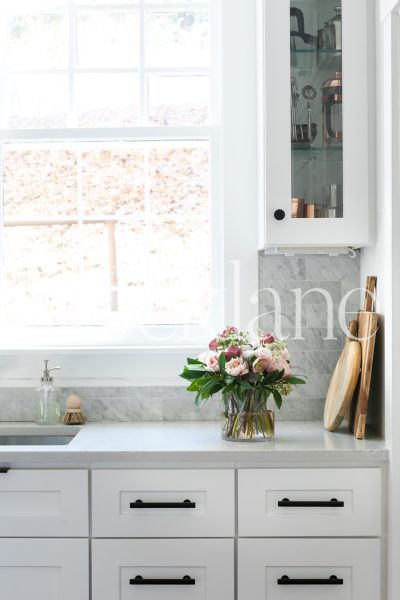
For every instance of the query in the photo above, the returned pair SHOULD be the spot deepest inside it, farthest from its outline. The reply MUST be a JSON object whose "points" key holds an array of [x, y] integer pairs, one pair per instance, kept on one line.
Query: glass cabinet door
{"points": [[319, 122], [316, 99]]}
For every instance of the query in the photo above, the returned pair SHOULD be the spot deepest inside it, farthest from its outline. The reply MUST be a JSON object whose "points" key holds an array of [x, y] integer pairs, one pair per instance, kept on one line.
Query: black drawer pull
{"points": [[141, 504], [4, 470], [311, 503], [139, 580], [333, 580]]}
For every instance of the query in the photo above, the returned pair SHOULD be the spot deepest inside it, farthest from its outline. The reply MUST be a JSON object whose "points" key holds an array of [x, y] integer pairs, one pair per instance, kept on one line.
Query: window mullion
{"points": [[71, 64]]}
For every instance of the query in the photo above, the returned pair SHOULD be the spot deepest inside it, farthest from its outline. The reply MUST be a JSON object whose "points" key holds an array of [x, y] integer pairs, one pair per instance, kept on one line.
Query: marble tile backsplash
{"points": [[312, 355], [142, 404]]}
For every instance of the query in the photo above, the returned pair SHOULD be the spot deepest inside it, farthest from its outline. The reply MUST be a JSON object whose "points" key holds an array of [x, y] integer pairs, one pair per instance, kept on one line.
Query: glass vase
{"points": [[245, 419]]}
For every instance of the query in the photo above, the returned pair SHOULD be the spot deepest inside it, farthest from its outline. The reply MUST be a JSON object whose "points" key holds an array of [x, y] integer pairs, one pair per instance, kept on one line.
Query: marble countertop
{"points": [[183, 443]]}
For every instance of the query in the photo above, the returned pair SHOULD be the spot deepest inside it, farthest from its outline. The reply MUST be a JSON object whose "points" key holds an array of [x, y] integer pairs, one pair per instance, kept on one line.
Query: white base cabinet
{"points": [[299, 569], [35, 569], [44, 503], [163, 569]]}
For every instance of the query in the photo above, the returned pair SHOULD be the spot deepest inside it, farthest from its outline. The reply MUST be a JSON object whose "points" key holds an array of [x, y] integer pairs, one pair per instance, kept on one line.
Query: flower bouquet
{"points": [[247, 372]]}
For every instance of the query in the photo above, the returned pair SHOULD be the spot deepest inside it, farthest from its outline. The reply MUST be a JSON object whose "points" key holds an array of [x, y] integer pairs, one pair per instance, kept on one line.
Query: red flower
{"points": [[233, 352], [267, 338], [213, 345]]}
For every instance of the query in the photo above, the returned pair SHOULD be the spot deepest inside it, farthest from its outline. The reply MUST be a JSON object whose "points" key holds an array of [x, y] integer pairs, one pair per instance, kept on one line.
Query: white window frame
{"points": [[112, 358]]}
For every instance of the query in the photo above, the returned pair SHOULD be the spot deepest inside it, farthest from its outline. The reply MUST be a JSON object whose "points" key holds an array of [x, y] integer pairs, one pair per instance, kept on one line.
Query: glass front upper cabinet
{"points": [[318, 122]]}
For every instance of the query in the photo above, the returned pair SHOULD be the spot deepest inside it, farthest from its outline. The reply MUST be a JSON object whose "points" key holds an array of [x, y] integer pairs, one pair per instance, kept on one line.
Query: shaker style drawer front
{"points": [[163, 503], [44, 503], [309, 569], [163, 569], [53, 569], [309, 502]]}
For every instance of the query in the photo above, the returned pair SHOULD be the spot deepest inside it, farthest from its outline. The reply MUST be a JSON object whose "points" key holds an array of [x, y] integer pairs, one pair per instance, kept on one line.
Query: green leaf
{"points": [[296, 381], [190, 375], [194, 361], [199, 400], [277, 398], [222, 362]]}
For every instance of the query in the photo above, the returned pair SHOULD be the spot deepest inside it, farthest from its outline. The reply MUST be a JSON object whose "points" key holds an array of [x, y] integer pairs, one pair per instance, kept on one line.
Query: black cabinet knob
{"points": [[279, 214]]}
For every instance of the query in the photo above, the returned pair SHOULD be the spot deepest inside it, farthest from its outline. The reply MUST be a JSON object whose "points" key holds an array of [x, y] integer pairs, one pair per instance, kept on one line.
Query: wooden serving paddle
{"points": [[344, 381], [367, 329]]}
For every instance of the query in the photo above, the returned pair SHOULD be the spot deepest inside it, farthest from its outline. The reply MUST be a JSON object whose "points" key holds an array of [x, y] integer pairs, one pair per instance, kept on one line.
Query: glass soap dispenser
{"points": [[48, 401]]}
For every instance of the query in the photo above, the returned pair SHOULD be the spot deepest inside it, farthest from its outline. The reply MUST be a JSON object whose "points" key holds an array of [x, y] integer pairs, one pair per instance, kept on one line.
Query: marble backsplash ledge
{"points": [[150, 404]]}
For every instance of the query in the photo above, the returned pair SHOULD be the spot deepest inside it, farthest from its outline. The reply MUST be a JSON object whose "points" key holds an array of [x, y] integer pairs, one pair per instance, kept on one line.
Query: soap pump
{"points": [[48, 402]]}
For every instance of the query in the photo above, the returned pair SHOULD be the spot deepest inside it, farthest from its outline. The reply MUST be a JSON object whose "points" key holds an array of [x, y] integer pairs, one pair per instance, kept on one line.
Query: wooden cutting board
{"points": [[367, 328], [343, 382]]}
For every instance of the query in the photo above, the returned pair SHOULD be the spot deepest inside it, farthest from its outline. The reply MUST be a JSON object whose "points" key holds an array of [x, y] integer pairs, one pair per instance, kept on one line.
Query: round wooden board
{"points": [[343, 385]]}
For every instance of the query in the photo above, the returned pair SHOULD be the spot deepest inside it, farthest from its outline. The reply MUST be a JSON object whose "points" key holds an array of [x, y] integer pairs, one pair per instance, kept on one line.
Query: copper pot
{"points": [[332, 97]]}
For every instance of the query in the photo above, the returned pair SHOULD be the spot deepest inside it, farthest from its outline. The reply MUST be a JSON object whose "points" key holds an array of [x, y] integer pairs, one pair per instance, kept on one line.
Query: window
{"points": [[113, 169]]}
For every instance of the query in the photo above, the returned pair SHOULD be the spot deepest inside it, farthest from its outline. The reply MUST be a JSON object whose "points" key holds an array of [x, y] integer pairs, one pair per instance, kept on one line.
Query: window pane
{"points": [[39, 182], [108, 40], [37, 41], [179, 271], [138, 249], [32, 101], [179, 39], [40, 273], [106, 100], [179, 181], [178, 100], [113, 181]]}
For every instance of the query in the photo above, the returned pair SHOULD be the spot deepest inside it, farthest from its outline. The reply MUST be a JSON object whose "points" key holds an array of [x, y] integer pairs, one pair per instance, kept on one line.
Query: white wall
{"points": [[384, 261]]}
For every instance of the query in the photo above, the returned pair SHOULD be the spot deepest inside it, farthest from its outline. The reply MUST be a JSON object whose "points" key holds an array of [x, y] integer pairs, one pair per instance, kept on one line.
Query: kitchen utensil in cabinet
{"points": [[332, 32], [307, 38], [303, 133], [332, 109], [297, 208]]}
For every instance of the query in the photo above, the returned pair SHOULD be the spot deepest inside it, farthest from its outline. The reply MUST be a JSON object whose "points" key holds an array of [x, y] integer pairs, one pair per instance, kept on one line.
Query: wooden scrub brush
{"points": [[74, 414]]}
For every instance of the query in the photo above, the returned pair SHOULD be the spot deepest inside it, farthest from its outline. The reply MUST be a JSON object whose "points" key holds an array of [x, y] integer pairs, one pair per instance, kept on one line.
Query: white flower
{"points": [[237, 367], [211, 360]]}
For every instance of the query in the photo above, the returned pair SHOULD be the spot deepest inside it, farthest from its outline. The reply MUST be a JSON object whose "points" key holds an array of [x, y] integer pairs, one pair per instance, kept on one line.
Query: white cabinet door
{"points": [[309, 502], [319, 188], [163, 569], [294, 569], [44, 503], [44, 569], [163, 503]]}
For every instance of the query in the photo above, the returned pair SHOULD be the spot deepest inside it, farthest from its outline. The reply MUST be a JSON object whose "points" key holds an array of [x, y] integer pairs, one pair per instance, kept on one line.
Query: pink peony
{"points": [[233, 352], [267, 338], [237, 367], [213, 345], [210, 359]]}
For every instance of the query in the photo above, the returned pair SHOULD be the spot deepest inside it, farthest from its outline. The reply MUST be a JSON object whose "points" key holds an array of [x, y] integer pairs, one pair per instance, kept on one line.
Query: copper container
{"points": [[297, 208], [332, 98]]}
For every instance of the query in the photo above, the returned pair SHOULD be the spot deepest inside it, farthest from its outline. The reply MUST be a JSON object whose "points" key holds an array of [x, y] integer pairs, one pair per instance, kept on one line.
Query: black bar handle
{"points": [[311, 503], [139, 580], [333, 580], [140, 504], [4, 470]]}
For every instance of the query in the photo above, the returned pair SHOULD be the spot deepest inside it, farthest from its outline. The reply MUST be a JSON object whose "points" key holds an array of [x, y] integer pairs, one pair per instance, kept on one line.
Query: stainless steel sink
{"points": [[35, 440]]}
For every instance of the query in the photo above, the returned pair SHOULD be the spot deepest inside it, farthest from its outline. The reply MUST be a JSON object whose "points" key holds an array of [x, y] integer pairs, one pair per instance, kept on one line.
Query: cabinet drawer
{"points": [[44, 569], [163, 503], [300, 569], [41, 503], [165, 569], [297, 502]]}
